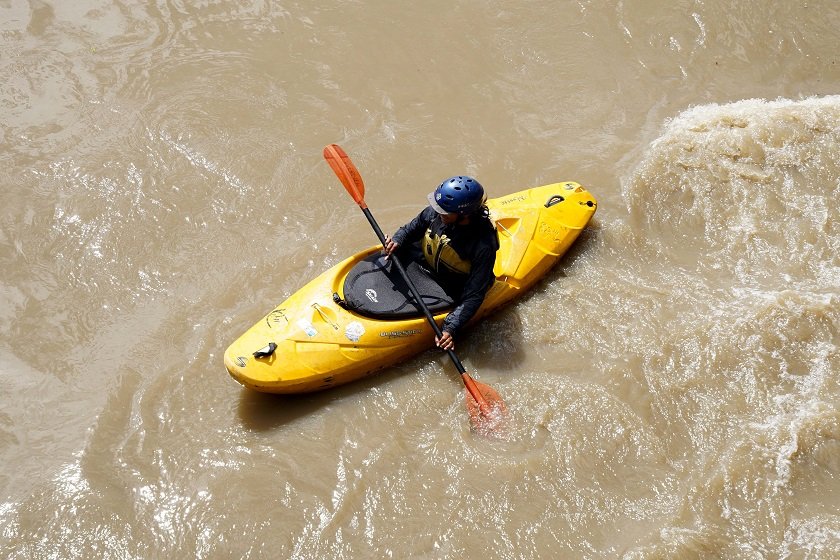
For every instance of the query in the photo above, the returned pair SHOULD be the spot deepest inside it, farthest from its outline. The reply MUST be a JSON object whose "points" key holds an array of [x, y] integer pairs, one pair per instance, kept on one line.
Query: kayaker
{"points": [[454, 238]]}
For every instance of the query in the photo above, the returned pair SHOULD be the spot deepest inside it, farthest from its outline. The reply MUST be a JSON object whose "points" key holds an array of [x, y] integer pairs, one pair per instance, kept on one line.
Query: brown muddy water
{"points": [[673, 383]]}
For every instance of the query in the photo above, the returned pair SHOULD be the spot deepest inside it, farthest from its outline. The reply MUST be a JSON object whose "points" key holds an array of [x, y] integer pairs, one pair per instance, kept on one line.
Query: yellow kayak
{"points": [[330, 332]]}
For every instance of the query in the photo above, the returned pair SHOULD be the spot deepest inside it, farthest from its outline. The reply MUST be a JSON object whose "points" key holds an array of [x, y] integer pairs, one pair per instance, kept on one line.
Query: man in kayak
{"points": [[454, 238]]}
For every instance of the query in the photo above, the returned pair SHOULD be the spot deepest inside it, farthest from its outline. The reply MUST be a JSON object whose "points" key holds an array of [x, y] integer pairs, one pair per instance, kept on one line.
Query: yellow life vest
{"points": [[441, 256]]}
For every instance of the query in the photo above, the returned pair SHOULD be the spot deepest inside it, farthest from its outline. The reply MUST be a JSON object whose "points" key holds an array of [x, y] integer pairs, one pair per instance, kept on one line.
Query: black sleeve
{"points": [[414, 230], [478, 283]]}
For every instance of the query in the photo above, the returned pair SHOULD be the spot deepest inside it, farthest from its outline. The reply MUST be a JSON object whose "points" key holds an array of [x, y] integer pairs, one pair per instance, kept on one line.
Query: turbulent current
{"points": [[672, 384]]}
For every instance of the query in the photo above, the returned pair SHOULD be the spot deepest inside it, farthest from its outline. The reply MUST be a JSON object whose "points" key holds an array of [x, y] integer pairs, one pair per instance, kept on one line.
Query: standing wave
{"points": [[734, 209], [750, 189]]}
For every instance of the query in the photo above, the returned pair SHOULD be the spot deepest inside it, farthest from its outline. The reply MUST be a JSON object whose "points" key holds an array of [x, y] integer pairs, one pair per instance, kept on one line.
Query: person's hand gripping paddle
{"points": [[486, 409]]}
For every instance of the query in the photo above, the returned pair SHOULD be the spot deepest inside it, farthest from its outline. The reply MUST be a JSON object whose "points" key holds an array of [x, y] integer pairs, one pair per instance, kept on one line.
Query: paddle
{"points": [[485, 406]]}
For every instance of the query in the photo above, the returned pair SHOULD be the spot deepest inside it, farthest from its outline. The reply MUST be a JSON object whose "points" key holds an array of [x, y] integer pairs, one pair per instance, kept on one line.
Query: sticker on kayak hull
{"points": [[277, 317], [400, 334], [307, 327], [354, 331]]}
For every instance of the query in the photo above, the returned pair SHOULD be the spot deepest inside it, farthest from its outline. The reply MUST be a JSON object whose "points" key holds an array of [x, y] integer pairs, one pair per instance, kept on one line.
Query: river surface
{"points": [[672, 383]]}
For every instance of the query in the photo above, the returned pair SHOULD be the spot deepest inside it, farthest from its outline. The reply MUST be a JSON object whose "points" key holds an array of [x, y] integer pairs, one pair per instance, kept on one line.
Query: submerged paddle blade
{"points": [[346, 172], [487, 418]]}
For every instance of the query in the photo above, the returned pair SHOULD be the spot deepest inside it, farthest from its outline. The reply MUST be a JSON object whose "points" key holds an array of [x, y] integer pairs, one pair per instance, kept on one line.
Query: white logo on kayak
{"points": [[354, 331], [371, 295]]}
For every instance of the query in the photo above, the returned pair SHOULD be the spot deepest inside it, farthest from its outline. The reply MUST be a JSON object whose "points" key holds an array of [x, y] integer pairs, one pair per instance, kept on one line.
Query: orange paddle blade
{"points": [[346, 172], [488, 417]]}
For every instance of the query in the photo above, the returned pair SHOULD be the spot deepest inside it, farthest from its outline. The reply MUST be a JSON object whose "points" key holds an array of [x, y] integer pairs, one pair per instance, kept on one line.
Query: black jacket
{"points": [[474, 244]]}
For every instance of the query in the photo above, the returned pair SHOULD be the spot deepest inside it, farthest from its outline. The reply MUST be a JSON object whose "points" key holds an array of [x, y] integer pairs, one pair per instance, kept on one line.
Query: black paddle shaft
{"points": [[458, 365]]}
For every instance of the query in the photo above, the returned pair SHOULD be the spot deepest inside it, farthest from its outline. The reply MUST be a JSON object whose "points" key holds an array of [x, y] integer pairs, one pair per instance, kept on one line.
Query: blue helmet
{"points": [[458, 195]]}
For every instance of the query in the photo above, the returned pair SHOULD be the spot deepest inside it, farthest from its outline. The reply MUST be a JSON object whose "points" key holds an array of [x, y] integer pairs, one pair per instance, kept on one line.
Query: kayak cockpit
{"points": [[374, 288]]}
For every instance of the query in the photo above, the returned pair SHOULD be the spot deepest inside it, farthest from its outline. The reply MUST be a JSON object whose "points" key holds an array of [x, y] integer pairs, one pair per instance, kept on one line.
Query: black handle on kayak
{"points": [[413, 288], [554, 200]]}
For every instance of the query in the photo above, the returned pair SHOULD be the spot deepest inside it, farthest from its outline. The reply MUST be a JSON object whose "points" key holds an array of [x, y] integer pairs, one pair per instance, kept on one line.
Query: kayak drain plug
{"points": [[266, 351]]}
